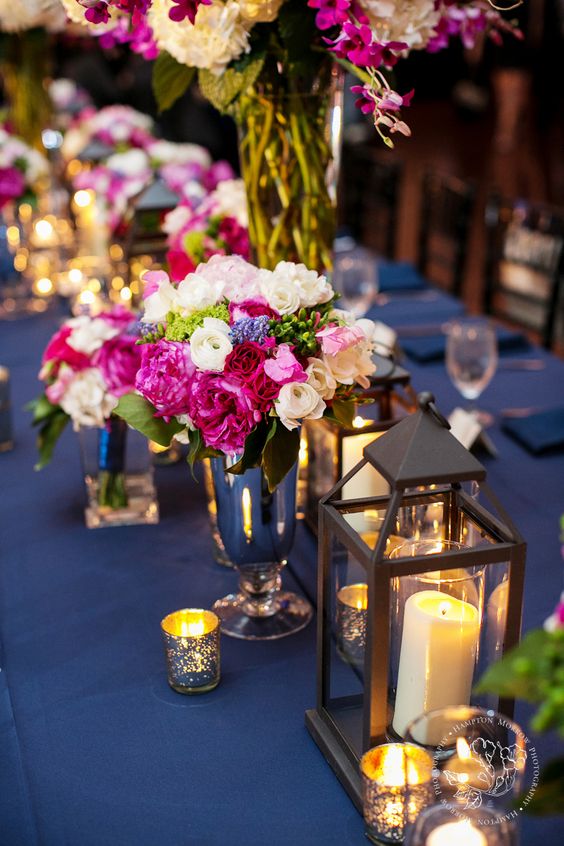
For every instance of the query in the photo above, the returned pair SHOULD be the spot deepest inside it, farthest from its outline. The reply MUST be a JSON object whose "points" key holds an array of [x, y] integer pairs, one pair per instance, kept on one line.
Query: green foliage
{"points": [[181, 328], [170, 80], [152, 337], [223, 90], [299, 330], [140, 415], [280, 454], [51, 420], [198, 450], [344, 411], [254, 446]]}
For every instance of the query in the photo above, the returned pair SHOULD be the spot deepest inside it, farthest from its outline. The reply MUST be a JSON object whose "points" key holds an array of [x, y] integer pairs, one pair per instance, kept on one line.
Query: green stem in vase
{"points": [[111, 490]]}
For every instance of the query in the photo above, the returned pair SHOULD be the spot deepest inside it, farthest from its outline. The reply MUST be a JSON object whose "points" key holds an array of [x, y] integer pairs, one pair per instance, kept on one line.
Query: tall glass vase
{"points": [[257, 530], [289, 148]]}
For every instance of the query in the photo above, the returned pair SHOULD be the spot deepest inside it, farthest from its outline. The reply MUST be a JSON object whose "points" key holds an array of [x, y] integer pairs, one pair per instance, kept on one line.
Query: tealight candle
{"points": [[191, 639], [6, 441], [397, 787], [461, 833], [352, 604]]}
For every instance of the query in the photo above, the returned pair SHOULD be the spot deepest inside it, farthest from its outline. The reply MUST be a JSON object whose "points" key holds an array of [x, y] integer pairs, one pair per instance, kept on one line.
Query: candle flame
{"points": [[359, 422], [246, 505], [462, 749], [444, 608]]}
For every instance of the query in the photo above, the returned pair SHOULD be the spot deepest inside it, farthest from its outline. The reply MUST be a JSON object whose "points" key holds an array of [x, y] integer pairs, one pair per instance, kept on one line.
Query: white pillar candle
{"points": [[461, 833], [437, 657], [368, 482]]}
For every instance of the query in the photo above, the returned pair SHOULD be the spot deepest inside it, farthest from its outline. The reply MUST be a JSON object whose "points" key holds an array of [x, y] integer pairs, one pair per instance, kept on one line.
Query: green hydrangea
{"points": [[181, 328]]}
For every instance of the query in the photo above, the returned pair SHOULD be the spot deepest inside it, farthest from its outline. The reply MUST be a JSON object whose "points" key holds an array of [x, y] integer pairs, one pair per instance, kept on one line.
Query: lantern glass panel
{"points": [[322, 461]]}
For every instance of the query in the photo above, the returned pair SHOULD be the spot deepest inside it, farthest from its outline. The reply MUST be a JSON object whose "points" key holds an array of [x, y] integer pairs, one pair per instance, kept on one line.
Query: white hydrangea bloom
{"points": [[88, 334], [411, 21], [86, 399], [218, 35]]}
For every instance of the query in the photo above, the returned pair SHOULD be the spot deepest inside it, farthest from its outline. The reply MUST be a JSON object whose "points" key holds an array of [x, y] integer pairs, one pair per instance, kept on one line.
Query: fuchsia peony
{"points": [[59, 352], [12, 184], [222, 408], [257, 307], [119, 360], [166, 369]]}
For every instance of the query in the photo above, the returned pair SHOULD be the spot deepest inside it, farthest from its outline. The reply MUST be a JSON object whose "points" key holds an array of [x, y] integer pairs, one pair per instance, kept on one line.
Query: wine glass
{"points": [[471, 361], [355, 278]]}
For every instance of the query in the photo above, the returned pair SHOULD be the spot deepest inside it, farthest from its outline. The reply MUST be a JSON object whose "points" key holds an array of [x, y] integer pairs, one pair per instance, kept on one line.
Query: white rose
{"points": [[88, 334], [297, 401], [158, 304], [351, 365], [132, 163], [280, 293], [167, 152], [86, 400], [210, 344], [195, 292], [320, 378]]}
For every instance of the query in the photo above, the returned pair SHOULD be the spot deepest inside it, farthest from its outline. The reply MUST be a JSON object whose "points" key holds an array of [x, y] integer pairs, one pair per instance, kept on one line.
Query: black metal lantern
{"points": [[419, 590], [329, 450], [143, 233]]}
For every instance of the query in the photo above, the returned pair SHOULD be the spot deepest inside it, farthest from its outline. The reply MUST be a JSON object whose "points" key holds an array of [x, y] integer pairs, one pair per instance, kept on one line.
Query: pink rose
{"points": [[257, 307], [284, 367], [59, 352], [335, 339], [119, 360], [222, 409], [164, 377], [235, 236]]}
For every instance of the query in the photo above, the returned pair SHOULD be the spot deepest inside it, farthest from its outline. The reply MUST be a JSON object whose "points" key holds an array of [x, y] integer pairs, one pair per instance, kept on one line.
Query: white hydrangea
{"points": [[27, 14], [218, 35], [229, 199], [86, 399], [196, 292], [411, 21]]}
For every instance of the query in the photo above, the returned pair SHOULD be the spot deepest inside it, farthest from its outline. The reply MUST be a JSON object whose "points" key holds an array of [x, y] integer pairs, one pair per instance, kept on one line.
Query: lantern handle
{"points": [[426, 402]]}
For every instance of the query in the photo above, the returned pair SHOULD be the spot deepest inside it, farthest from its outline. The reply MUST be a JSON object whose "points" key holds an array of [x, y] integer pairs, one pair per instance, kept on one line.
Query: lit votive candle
{"points": [[352, 604], [191, 640], [397, 787], [460, 833]]}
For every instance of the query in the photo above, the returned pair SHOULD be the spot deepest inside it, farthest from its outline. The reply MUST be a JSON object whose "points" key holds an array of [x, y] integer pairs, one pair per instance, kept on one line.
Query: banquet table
{"points": [[95, 748]]}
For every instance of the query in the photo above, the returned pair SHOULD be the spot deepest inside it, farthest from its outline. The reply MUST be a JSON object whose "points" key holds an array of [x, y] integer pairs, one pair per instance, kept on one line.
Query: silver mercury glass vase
{"points": [[257, 529]]}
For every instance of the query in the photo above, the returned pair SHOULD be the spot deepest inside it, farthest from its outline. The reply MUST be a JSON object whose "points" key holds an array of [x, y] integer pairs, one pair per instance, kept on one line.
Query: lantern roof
{"points": [[420, 450], [157, 195], [95, 151]]}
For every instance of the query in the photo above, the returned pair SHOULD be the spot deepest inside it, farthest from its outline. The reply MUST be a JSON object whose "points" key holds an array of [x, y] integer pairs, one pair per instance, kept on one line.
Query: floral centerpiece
{"points": [[119, 127], [273, 65], [87, 366], [233, 358], [21, 168]]}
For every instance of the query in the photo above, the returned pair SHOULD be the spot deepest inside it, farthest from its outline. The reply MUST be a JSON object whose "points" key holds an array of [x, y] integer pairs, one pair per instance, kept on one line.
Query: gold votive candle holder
{"points": [[191, 640], [352, 605], [396, 788]]}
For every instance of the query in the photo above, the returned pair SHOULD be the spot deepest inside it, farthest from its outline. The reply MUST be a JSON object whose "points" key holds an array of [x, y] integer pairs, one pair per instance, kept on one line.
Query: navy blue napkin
{"points": [[399, 276], [427, 348], [538, 432]]}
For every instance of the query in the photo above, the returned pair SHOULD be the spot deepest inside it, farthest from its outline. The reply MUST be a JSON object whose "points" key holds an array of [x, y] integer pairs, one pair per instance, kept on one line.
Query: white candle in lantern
{"points": [[461, 833], [437, 657]]}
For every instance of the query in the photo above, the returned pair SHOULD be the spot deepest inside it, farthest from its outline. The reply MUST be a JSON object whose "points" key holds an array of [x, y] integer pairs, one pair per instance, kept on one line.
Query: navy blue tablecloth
{"points": [[95, 749]]}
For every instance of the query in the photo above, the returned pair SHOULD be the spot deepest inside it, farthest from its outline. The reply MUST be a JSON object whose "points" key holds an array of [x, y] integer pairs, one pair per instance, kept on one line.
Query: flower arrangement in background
{"points": [[120, 127], [31, 14], [534, 671], [88, 364], [236, 37], [21, 168], [234, 358]]}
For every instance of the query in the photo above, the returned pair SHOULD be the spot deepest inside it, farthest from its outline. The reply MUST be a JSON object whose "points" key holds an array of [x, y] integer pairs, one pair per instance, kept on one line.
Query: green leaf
{"points": [[170, 80], [280, 454], [41, 409], [517, 674], [140, 415], [223, 90], [547, 798], [343, 412], [48, 436], [198, 449], [254, 446]]}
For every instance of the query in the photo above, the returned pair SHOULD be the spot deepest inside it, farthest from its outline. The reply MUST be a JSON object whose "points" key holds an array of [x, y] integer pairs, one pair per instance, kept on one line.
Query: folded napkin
{"points": [[538, 432], [399, 276], [426, 348]]}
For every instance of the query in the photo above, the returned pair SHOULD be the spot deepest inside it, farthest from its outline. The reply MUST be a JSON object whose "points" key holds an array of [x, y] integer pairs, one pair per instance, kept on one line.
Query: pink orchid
{"points": [[284, 367], [335, 339]]}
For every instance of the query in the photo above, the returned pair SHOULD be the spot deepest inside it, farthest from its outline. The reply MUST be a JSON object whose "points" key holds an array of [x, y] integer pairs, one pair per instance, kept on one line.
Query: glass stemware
{"points": [[471, 361], [355, 277]]}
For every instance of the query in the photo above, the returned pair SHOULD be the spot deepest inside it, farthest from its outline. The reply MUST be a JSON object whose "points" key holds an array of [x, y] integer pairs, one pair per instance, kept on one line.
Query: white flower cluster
{"points": [[410, 21], [290, 287], [86, 399], [168, 152], [13, 149], [229, 199], [28, 14]]}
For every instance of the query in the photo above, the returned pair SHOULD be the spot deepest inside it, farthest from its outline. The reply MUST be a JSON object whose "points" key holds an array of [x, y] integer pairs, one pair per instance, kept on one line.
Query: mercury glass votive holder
{"points": [[352, 605], [397, 787], [191, 640]]}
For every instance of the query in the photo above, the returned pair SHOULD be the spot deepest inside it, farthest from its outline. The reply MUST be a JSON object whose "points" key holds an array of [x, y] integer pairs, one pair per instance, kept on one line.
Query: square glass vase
{"points": [[118, 476]]}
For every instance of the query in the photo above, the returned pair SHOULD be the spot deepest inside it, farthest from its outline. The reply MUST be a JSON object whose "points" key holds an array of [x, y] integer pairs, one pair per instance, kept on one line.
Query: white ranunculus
{"points": [[279, 292], [410, 21], [195, 292], [298, 401], [158, 304], [352, 365], [218, 35], [134, 162], [382, 337], [86, 399], [210, 344], [312, 289], [88, 334], [167, 152], [176, 219], [229, 199], [320, 378]]}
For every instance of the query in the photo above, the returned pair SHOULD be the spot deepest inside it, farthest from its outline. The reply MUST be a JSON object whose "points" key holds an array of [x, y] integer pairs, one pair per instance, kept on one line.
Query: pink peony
{"points": [[164, 377], [218, 172], [239, 277], [222, 408], [119, 316], [235, 236], [284, 367], [12, 184], [335, 339], [59, 352], [119, 360], [180, 265], [257, 307]]}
